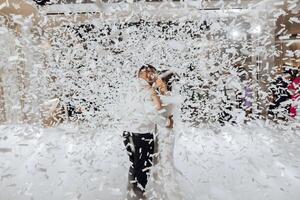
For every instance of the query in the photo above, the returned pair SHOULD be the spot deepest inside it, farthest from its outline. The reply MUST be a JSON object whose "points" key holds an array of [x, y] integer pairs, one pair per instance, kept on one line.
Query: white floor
{"points": [[233, 163]]}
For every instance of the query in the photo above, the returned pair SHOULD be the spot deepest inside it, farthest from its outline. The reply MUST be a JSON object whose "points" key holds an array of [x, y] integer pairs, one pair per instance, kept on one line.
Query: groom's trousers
{"points": [[140, 148]]}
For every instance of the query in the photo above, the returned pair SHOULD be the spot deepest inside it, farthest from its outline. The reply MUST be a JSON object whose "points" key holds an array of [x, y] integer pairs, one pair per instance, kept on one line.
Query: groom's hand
{"points": [[171, 122]]}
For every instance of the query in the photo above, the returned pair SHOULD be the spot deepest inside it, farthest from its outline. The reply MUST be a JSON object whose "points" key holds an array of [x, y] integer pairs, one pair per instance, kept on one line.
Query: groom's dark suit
{"points": [[140, 125]]}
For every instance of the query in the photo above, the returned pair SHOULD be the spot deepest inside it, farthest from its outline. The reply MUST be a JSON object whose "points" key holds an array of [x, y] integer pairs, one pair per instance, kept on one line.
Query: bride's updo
{"points": [[168, 77]]}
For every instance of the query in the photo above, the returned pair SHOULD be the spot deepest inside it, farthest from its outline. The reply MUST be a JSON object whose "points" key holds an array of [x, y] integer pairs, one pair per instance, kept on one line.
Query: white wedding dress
{"points": [[164, 178]]}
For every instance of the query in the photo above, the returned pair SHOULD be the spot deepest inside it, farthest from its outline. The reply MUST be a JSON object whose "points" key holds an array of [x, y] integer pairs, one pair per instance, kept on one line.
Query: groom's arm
{"points": [[170, 122], [156, 114]]}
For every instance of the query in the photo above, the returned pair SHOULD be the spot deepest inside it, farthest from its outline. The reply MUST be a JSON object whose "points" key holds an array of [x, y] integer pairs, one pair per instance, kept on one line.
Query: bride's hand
{"points": [[161, 85]]}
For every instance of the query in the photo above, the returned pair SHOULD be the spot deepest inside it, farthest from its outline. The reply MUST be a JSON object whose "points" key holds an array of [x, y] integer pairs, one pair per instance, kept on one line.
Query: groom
{"points": [[143, 115]]}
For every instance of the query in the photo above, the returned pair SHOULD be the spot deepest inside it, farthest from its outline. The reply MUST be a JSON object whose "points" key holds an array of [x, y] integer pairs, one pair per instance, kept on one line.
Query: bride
{"points": [[163, 183]]}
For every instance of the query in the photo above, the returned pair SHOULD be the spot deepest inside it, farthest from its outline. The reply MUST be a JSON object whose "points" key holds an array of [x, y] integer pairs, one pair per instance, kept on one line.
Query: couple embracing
{"points": [[148, 137]]}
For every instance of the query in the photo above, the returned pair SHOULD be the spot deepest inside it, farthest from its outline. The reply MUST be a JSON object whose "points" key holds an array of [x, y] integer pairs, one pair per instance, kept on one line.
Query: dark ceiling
{"points": [[46, 2]]}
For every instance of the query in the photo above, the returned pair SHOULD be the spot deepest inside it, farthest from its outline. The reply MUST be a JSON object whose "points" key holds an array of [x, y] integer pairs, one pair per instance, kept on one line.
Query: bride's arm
{"points": [[156, 100], [161, 85], [164, 91]]}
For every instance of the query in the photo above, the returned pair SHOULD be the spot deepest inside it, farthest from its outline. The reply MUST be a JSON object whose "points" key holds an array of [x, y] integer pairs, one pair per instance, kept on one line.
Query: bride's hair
{"points": [[147, 66], [169, 77]]}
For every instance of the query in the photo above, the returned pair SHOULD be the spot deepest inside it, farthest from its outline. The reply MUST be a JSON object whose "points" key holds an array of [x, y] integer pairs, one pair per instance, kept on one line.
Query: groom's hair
{"points": [[147, 66]]}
